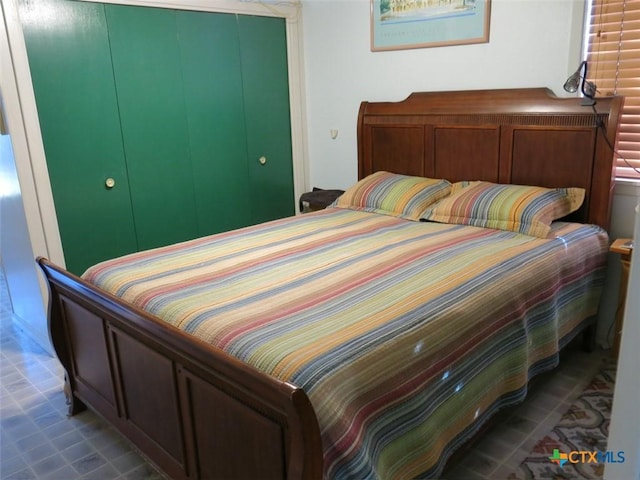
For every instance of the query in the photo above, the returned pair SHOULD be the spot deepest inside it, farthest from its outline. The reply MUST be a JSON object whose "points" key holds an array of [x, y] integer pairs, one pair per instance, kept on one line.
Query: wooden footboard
{"points": [[193, 410]]}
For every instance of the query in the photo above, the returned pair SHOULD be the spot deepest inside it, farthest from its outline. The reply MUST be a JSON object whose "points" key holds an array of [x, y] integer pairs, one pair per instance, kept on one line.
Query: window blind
{"points": [[613, 53]]}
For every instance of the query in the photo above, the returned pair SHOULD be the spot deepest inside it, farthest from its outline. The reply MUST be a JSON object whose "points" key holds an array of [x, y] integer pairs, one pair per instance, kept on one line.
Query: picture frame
{"points": [[407, 24]]}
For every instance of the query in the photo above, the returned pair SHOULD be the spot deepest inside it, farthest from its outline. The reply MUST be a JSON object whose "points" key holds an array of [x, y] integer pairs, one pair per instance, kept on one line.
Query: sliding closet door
{"points": [[265, 81], [70, 62], [148, 76], [211, 70], [237, 97], [159, 125]]}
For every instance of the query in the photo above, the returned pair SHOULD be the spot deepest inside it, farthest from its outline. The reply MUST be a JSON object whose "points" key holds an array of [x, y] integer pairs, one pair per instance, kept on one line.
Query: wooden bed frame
{"points": [[197, 412]]}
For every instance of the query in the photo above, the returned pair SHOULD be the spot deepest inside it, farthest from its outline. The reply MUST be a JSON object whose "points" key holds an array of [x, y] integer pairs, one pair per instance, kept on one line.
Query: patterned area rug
{"points": [[583, 428]]}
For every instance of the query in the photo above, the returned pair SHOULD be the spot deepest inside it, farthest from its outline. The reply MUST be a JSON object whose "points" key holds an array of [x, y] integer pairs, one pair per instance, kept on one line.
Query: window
{"points": [[613, 53]]}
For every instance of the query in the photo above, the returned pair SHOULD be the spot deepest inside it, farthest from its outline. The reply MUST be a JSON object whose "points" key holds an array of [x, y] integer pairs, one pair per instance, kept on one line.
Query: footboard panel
{"points": [[194, 411], [213, 408]]}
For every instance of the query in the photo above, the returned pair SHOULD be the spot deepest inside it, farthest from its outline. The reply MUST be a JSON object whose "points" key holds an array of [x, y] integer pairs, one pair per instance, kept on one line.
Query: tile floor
{"points": [[516, 430], [39, 442]]}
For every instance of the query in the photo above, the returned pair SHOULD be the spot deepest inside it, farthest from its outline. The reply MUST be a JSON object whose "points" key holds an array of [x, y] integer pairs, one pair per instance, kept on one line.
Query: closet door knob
{"points": [[110, 182], [262, 160]]}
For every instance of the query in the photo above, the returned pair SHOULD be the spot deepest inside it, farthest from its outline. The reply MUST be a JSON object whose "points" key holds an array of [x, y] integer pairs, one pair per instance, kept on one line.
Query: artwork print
{"points": [[403, 24]]}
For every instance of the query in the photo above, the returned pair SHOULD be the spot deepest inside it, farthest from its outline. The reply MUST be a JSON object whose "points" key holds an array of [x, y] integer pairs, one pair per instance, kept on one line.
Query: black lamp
{"points": [[579, 79]]}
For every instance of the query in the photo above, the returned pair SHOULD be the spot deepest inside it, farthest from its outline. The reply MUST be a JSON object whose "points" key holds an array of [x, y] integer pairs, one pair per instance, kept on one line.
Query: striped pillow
{"points": [[392, 194], [517, 208]]}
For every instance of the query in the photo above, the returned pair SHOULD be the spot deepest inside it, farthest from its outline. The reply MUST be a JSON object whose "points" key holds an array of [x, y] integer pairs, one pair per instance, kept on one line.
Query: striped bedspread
{"points": [[405, 335]]}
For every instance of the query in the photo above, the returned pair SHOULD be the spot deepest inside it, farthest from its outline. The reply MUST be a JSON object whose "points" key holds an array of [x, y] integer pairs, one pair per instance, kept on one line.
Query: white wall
{"points": [[625, 199], [624, 432], [20, 228], [16, 251], [533, 43]]}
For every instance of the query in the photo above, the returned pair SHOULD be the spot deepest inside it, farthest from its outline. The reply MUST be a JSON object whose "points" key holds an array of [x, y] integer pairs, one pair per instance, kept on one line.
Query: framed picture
{"points": [[403, 24]]}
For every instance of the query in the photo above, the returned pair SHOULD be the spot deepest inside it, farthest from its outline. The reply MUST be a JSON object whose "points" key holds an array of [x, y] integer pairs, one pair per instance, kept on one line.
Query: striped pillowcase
{"points": [[517, 208], [393, 194]]}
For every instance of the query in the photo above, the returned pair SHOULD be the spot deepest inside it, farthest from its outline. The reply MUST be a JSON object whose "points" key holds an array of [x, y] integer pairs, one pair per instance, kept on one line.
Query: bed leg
{"points": [[74, 404], [589, 338]]}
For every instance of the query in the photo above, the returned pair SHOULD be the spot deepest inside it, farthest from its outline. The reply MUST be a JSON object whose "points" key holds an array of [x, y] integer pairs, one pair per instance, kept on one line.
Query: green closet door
{"points": [[210, 52], [147, 70], [263, 48], [68, 49]]}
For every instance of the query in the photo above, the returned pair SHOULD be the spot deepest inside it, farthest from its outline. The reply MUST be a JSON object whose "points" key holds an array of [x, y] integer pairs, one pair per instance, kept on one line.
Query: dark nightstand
{"points": [[624, 247], [318, 199]]}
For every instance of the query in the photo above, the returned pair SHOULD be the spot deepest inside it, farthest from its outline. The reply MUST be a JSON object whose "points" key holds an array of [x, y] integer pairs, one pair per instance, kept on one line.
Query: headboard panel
{"points": [[520, 136]]}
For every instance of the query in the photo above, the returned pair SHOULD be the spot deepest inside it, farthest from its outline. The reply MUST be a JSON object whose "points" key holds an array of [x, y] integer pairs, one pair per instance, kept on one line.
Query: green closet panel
{"points": [[175, 108], [263, 50], [211, 71], [68, 49], [148, 76]]}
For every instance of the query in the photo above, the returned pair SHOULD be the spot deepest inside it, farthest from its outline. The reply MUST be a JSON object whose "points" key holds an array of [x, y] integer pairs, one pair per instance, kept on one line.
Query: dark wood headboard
{"points": [[519, 136]]}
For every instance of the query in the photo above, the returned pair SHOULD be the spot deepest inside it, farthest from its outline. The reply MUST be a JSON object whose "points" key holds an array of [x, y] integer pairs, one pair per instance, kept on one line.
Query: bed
{"points": [[349, 342]]}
